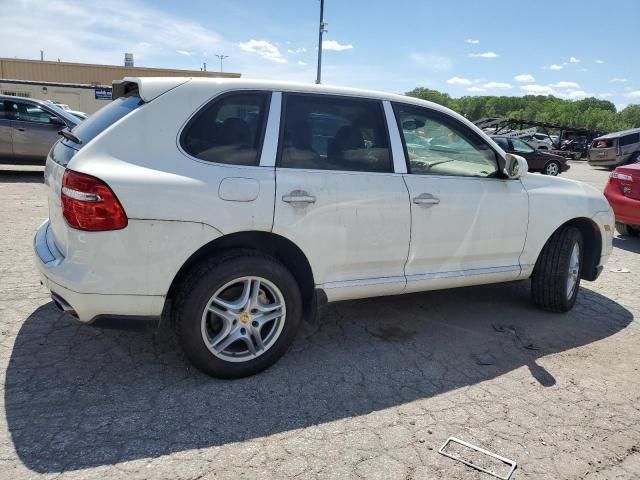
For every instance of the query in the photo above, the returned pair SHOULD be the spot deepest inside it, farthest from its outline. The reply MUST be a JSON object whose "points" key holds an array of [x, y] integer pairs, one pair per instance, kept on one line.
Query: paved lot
{"points": [[371, 391]]}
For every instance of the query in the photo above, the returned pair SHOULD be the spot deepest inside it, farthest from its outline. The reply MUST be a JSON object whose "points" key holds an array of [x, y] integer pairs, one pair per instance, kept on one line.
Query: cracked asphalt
{"points": [[370, 391]]}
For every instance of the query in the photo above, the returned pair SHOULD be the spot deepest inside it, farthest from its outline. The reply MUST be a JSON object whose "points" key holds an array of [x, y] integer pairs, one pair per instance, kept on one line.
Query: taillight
{"points": [[89, 204], [622, 181]]}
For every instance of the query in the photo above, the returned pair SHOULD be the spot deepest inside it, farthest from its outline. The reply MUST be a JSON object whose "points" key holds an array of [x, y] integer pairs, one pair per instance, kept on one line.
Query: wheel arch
{"points": [[270, 243], [592, 239]]}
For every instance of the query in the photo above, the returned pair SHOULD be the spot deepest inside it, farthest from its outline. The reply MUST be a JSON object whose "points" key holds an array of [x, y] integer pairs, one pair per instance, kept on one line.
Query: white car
{"points": [[539, 141], [236, 207]]}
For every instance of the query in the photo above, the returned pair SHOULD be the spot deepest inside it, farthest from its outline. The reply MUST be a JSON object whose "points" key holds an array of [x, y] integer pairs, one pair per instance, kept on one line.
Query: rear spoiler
{"points": [[147, 88]]}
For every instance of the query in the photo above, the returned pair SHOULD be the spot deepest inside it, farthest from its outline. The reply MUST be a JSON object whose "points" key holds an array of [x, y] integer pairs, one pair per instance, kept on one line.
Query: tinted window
{"points": [[630, 139], [228, 130], [503, 142], [25, 112], [334, 133], [440, 145], [105, 117]]}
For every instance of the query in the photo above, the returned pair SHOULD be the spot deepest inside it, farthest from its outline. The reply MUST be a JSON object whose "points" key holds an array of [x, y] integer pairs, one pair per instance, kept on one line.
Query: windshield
{"points": [[88, 129], [62, 113]]}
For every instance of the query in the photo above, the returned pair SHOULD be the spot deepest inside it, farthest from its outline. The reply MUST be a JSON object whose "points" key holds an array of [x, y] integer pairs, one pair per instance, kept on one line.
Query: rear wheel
{"points": [[556, 276], [236, 314], [552, 168], [627, 230]]}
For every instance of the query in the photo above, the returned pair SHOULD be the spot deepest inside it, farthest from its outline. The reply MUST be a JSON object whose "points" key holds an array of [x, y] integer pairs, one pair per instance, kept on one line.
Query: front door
{"points": [[337, 196], [468, 224], [6, 147]]}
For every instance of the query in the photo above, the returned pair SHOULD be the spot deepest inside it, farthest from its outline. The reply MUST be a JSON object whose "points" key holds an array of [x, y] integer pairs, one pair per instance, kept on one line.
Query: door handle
{"points": [[426, 199], [299, 199], [20, 129]]}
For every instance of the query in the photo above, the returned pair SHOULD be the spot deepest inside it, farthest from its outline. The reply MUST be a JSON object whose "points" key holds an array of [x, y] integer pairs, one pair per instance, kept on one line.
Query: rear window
{"points": [[104, 118]]}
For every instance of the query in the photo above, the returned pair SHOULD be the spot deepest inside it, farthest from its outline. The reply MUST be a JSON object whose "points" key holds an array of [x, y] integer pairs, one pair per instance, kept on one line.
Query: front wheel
{"points": [[627, 230], [556, 276], [552, 168], [236, 314]]}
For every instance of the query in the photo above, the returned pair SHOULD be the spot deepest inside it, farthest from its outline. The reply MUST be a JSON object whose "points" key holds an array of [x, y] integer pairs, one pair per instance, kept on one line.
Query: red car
{"points": [[623, 193]]}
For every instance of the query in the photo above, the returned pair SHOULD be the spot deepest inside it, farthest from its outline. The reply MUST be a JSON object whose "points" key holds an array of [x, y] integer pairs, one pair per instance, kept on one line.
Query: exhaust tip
{"points": [[63, 305]]}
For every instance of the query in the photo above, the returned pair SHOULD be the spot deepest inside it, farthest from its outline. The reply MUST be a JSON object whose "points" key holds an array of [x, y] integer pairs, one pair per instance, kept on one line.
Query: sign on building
{"points": [[103, 93]]}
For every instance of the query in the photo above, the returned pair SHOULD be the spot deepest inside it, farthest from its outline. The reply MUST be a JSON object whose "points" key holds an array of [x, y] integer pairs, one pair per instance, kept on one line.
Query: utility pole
{"points": [[204, 66], [221, 57], [321, 31]]}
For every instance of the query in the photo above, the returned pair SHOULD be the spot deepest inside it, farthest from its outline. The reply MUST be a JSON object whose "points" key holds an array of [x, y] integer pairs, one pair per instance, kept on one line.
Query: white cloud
{"points": [[555, 66], [619, 80], [431, 61], [335, 45], [576, 94], [472, 41], [535, 89], [621, 106], [475, 89], [605, 95], [264, 49], [301, 63], [572, 85], [574, 60], [497, 86], [296, 50], [634, 94], [582, 69], [524, 78], [484, 55], [600, 62], [145, 44], [459, 81], [184, 52]]}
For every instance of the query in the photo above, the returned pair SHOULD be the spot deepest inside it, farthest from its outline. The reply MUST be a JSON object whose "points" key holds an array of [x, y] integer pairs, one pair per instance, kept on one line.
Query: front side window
{"points": [[521, 147], [437, 144], [26, 112], [334, 133], [228, 130]]}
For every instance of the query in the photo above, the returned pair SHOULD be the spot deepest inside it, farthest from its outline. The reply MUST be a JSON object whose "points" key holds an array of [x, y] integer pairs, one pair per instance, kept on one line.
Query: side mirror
{"points": [[515, 166], [53, 120]]}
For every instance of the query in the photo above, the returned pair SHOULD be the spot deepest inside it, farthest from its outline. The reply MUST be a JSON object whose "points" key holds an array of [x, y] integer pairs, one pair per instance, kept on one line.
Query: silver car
{"points": [[615, 149], [28, 129]]}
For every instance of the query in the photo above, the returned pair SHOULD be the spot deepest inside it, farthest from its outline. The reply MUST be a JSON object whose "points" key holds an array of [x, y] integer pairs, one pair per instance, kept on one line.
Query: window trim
{"points": [[283, 116], [217, 98], [436, 113]]}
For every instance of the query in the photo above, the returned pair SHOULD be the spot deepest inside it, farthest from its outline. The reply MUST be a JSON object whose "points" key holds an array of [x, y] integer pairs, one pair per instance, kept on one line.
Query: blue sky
{"points": [[463, 47]]}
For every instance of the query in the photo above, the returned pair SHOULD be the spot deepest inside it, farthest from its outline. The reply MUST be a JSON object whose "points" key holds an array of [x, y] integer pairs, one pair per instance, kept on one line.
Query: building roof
{"points": [[87, 73]]}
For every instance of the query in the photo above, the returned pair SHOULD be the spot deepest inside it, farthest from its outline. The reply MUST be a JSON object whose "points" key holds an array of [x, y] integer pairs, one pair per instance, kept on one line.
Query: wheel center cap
{"points": [[245, 317]]}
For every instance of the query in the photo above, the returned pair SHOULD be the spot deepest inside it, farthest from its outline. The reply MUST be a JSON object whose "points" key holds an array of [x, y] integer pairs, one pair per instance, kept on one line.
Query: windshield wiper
{"points": [[66, 133]]}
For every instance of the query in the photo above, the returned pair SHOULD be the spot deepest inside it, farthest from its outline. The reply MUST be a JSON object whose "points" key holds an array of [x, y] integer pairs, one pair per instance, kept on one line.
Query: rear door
{"points": [[34, 132], [337, 196], [6, 147]]}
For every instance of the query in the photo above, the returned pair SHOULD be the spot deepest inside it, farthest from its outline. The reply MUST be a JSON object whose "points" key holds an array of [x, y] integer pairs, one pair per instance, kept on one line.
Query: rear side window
{"points": [[326, 132], [630, 139], [229, 129], [104, 118]]}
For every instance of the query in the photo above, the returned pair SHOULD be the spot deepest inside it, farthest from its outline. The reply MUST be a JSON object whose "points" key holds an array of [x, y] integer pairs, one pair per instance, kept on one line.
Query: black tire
{"points": [[627, 230], [208, 277], [555, 163], [550, 277]]}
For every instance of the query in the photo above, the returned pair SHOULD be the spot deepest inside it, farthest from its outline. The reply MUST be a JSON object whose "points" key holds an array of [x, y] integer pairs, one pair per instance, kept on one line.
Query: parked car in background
{"points": [[236, 207], [539, 141], [28, 129], [538, 160], [623, 193], [66, 108], [615, 149]]}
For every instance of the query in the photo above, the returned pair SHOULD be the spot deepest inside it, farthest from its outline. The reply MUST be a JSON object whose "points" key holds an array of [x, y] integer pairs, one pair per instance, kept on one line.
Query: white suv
{"points": [[236, 207]]}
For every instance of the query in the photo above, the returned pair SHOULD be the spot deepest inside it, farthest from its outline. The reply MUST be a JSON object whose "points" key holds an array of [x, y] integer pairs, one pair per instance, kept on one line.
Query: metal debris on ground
{"points": [[511, 464], [524, 342]]}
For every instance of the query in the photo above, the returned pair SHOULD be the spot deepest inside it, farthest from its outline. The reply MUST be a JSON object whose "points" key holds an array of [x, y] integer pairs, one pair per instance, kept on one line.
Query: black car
{"points": [[538, 160]]}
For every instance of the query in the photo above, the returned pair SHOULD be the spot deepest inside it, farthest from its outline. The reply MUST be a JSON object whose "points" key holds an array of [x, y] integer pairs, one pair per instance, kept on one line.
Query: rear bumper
{"points": [[69, 296], [605, 162], [626, 210]]}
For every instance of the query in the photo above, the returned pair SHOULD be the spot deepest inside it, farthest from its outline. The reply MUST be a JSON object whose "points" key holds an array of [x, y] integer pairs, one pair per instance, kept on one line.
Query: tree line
{"points": [[591, 113]]}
